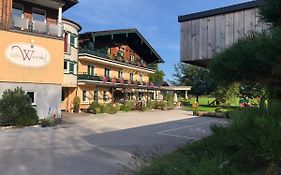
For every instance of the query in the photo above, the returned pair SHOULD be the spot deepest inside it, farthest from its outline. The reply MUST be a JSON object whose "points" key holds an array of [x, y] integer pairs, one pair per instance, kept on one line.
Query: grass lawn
{"points": [[205, 100]]}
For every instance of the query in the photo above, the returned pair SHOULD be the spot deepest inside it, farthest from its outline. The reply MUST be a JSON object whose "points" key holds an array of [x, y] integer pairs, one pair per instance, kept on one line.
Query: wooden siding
{"points": [[202, 38]]}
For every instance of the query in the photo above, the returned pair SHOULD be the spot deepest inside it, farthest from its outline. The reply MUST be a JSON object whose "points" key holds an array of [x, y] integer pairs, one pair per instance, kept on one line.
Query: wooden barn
{"points": [[207, 33]]}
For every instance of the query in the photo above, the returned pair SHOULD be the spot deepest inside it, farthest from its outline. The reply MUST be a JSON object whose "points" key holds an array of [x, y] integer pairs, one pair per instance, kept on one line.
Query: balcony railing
{"points": [[113, 81], [38, 27], [118, 59]]}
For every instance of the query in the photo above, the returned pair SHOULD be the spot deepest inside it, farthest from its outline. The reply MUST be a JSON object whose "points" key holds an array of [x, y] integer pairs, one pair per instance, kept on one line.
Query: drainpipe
{"points": [[60, 29]]}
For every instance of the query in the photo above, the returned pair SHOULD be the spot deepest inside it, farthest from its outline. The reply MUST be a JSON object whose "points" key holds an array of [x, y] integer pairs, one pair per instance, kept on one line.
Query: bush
{"points": [[102, 108], [124, 108], [48, 122], [95, 108], [76, 104], [131, 105], [151, 105], [110, 108], [16, 109]]}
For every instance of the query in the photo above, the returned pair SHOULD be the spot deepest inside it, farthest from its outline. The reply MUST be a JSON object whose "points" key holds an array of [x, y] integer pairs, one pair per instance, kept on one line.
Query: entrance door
{"points": [[118, 96]]}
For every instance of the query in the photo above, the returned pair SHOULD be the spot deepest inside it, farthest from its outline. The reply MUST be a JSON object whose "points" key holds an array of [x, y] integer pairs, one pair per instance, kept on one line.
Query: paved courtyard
{"points": [[97, 144]]}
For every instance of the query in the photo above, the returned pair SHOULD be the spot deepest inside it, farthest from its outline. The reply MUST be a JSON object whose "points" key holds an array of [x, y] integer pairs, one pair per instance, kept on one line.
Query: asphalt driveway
{"points": [[97, 144]]}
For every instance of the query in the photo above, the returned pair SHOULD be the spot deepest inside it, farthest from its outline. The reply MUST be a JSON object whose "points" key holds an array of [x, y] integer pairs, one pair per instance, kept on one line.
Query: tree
{"points": [[158, 76], [16, 109], [197, 77], [255, 58]]}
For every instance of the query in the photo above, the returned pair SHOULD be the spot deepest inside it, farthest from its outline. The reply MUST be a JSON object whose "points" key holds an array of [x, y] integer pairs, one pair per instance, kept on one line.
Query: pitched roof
{"points": [[130, 37]]}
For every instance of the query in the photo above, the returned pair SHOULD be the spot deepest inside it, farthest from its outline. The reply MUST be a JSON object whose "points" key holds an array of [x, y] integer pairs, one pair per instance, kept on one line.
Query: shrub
{"points": [[151, 105], [124, 108], [76, 104], [16, 109], [171, 105], [131, 105], [161, 105], [110, 108], [95, 108], [48, 122], [141, 108], [102, 108]]}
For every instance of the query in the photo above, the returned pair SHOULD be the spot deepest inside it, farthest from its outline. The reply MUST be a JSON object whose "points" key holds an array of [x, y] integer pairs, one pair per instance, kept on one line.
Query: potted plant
{"points": [[76, 104]]}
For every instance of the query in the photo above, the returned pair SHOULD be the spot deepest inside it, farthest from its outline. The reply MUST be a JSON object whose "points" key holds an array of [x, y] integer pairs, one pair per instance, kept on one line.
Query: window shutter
{"points": [[66, 42]]}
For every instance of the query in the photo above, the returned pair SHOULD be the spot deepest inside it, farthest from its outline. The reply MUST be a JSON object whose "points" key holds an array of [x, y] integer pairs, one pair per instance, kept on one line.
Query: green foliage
{"points": [[95, 108], [48, 122], [197, 77], [124, 108], [158, 76], [251, 144], [271, 12], [103, 108], [76, 104], [227, 94], [254, 59], [131, 105], [16, 109]]}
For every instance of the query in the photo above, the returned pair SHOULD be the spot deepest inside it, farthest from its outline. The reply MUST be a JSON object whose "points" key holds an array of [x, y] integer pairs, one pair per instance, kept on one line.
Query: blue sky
{"points": [[155, 19]]}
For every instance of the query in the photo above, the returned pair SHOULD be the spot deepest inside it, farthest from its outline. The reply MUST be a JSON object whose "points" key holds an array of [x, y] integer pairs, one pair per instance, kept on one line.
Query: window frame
{"points": [[70, 67], [45, 14], [91, 69], [107, 71], [84, 96], [34, 100], [131, 76], [120, 75]]}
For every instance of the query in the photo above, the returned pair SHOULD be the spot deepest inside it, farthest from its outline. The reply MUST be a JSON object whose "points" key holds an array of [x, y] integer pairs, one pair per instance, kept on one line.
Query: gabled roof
{"points": [[223, 10], [130, 37]]}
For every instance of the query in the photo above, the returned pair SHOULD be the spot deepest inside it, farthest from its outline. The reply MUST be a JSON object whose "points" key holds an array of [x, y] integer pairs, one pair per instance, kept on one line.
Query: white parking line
{"points": [[165, 132]]}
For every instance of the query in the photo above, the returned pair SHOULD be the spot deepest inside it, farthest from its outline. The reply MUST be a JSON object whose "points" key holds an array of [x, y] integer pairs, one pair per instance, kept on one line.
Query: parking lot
{"points": [[98, 144]]}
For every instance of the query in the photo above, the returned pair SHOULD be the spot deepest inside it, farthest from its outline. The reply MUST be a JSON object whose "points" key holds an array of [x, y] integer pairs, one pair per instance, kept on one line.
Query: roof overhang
{"points": [[223, 10], [54, 4], [130, 37]]}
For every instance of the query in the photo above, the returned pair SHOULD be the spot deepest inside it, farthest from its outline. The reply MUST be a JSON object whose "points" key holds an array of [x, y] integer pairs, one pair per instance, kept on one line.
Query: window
{"points": [[31, 96], [17, 11], [91, 70], [131, 76], [96, 95], [72, 40], [38, 15], [120, 74], [84, 96], [132, 58], [141, 78], [107, 72], [65, 66], [105, 96], [71, 67]]}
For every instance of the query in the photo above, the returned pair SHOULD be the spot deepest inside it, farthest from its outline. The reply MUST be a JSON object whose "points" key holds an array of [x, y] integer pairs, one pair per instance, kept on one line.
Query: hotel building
{"points": [[44, 54], [32, 50], [114, 66]]}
